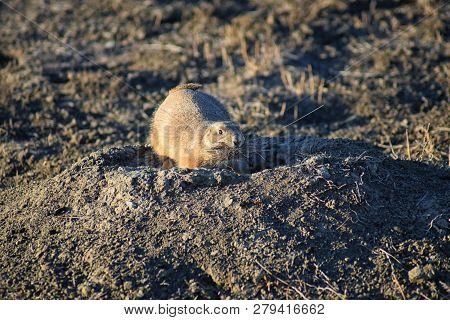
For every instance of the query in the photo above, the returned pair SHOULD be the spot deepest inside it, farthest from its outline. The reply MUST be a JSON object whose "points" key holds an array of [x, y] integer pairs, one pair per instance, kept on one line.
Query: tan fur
{"points": [[193, 129], [191, 86]]}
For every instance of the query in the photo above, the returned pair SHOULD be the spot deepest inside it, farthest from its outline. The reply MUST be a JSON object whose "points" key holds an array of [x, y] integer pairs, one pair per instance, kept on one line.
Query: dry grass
{"points": [[422, 147], [307, 85], [269, 62]]}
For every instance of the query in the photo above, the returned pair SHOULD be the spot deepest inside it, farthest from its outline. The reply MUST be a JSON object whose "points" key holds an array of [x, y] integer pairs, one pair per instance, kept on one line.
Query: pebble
{"points": [[227, 202], [127, 285], [131, 204]]}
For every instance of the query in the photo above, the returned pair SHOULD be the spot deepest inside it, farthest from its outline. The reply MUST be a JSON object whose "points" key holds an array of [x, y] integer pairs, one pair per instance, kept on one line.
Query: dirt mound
{"points": [[340, 220]]}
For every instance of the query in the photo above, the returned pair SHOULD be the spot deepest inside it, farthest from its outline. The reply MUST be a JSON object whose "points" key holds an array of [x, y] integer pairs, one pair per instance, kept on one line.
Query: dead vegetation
{"points": [[378, 68]]}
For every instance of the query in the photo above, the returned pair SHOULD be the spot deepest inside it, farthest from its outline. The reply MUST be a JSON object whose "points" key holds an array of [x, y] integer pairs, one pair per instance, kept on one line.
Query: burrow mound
{"points": [[317, 219]]}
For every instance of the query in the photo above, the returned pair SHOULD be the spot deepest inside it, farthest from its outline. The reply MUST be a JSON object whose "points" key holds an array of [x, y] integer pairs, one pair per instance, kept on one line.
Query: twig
{"points": [[408, 151], [283, 109], [281, 280], [394, 277], [389, 255], [432, 221], [357, 74], [331, 287], [424, 296], [398, 284]]}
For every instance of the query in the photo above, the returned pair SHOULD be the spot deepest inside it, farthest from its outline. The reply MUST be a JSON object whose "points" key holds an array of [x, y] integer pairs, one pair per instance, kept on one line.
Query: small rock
{"points": [[140, 294], [110, 44], [85, 290], [227, 202], [131, 204], [397, 229], [185, 236], [331, 204], [415, 274], [127, 285], [194, 286]]}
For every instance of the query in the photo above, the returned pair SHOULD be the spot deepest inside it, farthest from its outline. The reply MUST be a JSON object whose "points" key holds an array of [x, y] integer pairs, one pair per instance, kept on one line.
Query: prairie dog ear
{"points": [[207, 134], [208, 130]]}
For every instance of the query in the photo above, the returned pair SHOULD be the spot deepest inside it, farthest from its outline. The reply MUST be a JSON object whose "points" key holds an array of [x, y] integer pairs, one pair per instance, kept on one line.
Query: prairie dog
{"points": [[192, 129]]}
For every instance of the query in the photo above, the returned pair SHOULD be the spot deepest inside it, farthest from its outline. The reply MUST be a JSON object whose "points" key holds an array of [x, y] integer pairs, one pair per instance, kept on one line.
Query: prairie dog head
{"points": [[222, 136]]}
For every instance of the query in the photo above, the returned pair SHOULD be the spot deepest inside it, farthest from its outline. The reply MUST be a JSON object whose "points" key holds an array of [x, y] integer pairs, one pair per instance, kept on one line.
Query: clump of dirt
{"points": [[341, 220]]}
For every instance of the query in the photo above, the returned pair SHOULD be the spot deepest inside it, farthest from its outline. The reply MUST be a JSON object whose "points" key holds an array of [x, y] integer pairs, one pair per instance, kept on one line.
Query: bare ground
{"points": [[337, 219]]}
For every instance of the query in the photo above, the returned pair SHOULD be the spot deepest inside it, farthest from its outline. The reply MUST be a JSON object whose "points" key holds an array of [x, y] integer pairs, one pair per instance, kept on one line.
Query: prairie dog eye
{"points": [[220, 131]]}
